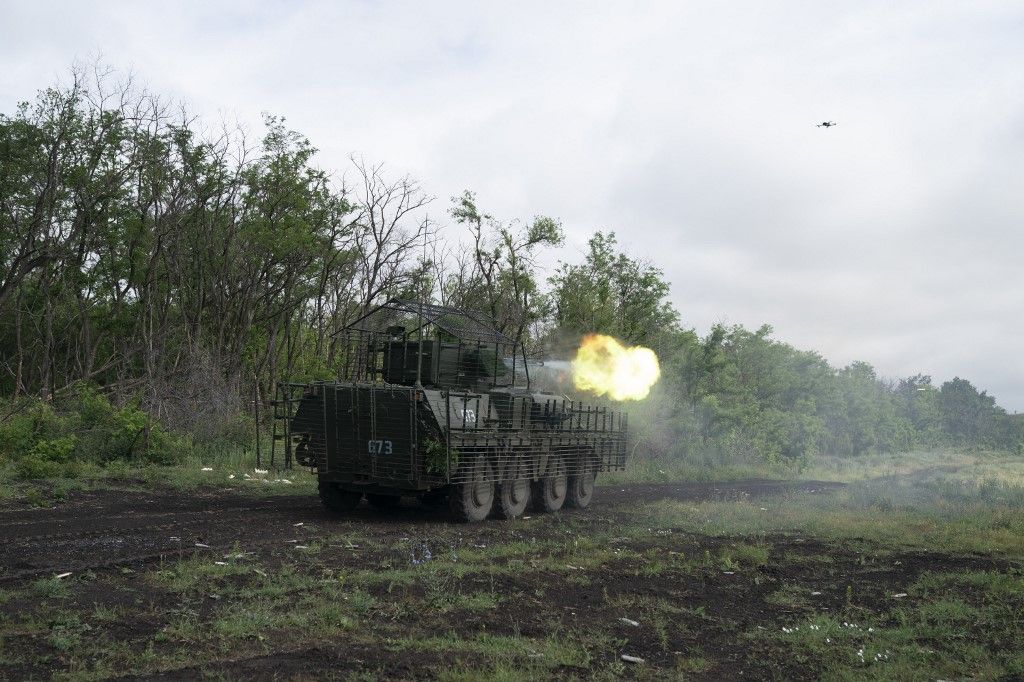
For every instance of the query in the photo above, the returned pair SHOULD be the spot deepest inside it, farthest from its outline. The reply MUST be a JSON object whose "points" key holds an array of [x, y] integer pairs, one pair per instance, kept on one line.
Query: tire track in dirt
{"points": [[140, 521], [108, 529], [75, 543]]}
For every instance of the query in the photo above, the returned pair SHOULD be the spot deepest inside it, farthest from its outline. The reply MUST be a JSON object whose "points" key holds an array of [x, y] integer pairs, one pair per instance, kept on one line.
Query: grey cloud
{"points": [[687, 128]]}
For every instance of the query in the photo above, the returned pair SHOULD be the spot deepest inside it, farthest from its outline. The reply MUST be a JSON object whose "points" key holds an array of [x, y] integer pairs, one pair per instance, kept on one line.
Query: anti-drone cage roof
{"points": [[461, 324]]}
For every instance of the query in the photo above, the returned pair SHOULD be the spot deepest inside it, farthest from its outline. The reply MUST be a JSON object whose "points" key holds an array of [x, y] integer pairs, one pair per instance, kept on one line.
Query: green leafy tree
{"points": [[502, 278], [612, 293]]}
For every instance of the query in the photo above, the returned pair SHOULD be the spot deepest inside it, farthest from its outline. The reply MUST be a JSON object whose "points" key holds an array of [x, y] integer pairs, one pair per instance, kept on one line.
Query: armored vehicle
{"points": [[434, 402]]}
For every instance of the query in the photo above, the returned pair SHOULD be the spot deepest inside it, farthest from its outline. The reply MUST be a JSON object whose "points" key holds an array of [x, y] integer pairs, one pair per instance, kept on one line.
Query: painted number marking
{"points": [[468, 415], [379, 447]]}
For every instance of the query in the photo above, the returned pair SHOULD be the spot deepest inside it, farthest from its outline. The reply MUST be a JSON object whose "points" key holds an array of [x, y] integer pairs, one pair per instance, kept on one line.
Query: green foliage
{"points": [[743, 396], [30, 422], [501, 279], [187, 278], [49, 458], [611, 293], [748, 555], [436, 459], [47, 440]]}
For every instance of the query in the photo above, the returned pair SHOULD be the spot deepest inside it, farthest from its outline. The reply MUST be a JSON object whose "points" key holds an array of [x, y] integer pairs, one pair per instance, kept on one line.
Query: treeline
{"points": [[182, 270], [740, 392], [176, 265]]}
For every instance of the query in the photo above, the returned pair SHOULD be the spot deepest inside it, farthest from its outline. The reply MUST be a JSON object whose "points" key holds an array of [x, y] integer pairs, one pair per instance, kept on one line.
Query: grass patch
{"points": [[501, 672], [879, 465], [51, 588], [938, 511], [693, 665], [66, 632], [229, 469], [544, 653], [746, 555], [199, 575], [935, 634], [792, 596]]}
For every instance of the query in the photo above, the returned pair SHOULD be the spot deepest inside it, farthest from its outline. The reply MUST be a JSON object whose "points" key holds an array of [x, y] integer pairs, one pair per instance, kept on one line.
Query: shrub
{"points": [[48, 440], [234, 432], [109, 433], [54, 450], [33, 467], [164, 447], [436, 458], [31, 422], [49, 458]]}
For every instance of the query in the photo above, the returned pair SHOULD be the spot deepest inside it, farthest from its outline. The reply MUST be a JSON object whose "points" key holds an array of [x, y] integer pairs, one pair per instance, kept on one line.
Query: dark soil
{"points": [[108, 539], [103, 529]]}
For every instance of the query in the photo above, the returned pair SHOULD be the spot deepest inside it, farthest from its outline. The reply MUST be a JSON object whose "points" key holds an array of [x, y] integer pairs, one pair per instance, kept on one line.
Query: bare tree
{"points": [[388, 232]]}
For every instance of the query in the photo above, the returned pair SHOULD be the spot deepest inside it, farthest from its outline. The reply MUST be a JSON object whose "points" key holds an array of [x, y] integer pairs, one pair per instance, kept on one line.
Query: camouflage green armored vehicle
{"points": [[434, 402]]}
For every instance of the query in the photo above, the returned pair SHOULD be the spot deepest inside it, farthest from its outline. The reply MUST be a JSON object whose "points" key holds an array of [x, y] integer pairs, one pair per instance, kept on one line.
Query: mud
{"points": [[104, 529], [113, 537]]}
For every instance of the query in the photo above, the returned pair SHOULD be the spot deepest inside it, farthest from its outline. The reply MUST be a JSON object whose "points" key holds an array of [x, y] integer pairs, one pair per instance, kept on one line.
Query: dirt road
{"points": [[162, 585], [103, 529]]}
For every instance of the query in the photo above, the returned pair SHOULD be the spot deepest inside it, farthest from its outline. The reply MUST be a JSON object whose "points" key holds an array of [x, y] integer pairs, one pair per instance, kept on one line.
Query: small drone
{"points": [[827, 124]]}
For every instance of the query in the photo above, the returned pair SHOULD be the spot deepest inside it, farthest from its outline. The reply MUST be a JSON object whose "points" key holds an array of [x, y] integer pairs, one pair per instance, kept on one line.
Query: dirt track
{"points": [[104, 529], [691, 610]]}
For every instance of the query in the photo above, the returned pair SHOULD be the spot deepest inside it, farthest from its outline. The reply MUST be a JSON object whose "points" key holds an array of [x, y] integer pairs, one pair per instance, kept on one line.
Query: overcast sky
{"points": [[688, 128]]}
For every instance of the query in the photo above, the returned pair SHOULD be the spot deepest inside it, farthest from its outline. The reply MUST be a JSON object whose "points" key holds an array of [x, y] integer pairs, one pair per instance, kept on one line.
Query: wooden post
{"points": [[256, 410]]}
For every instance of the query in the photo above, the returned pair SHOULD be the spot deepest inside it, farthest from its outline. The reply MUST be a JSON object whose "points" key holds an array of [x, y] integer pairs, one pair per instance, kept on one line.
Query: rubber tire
{"points": [[308, 449], [382, 501], [336, 499], [581, 490], [473, 500], [549, 493], [513, 498], [304, 455]]}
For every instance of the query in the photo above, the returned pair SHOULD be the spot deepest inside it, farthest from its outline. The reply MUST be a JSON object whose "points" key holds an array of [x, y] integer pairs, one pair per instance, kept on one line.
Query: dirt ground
{"points": [[112, 543], [106, 529]]}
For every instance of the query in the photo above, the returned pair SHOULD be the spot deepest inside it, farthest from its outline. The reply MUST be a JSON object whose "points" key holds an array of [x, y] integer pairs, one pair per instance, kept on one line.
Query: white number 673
{"points": [[379, 447]]}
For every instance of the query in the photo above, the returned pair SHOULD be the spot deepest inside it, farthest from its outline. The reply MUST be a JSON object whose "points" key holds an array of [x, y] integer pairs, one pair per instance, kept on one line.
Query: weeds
{"points": [[565, 596], [50, 588], [750, 555], [66, 632], [928, 511], [929, 638], [199, 575]]}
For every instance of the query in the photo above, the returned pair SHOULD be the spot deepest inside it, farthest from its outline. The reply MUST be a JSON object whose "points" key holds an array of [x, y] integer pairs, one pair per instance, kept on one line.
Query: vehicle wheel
{"points": [[513, 496], [549, 492], [306, 451], [336, 499], [473, 499], [381, 501], [581, 490]]}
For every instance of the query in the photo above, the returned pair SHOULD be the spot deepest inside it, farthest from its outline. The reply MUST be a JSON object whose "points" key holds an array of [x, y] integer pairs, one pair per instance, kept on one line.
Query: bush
{"points": [[109, 433], [49, 440], [49, 458], [31, 422], [32, 467]]}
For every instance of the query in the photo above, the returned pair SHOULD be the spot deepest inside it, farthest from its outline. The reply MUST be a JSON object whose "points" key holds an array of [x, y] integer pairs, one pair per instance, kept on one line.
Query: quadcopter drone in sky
{"points": [[827, 124]]}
